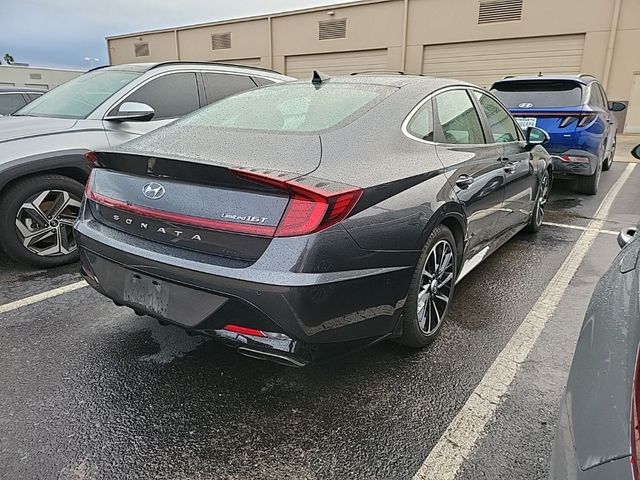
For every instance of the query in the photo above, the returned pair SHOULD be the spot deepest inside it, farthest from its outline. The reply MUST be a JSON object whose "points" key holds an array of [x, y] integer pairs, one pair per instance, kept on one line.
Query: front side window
{"points": [[170, 96], [79, 97], [421, 124], [503, 129], [10, 103], [289, 107], [220, 85], [458, 118]]}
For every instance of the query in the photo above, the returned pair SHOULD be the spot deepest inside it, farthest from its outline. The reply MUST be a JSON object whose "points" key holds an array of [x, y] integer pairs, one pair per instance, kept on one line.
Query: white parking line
{"points": [[7, 307], [577, 227], [462, 434]]}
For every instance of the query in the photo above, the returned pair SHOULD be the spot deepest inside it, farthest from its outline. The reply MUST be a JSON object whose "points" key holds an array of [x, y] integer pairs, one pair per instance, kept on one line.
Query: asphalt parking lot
{"points": [[90, 390]]}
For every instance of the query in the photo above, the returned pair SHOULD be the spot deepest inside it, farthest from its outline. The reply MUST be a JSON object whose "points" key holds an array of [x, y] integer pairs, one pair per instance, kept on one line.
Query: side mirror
{"points": [[536, 136], [636, 152], [616, 106], [132, 112], [626, 235]]}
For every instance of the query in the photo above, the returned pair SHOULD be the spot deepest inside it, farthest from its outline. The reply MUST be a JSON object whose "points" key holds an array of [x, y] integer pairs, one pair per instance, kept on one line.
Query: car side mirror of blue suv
{"points": [[616, 106]]}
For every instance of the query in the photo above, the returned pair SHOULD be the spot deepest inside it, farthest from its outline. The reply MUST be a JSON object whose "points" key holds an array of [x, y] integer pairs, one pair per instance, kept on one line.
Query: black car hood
{"points": [[19, 127], [299, 154], [598, 396]]}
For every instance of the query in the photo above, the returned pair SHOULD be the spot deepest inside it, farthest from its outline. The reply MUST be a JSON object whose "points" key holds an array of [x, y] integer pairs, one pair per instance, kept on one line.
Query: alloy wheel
{"points": [[542, 199], [436, 285], [44, 223]]}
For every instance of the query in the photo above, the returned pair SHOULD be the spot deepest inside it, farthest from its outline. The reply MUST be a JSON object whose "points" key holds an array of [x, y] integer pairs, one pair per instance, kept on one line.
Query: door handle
{"points": [[464, 181], [510, 167]]}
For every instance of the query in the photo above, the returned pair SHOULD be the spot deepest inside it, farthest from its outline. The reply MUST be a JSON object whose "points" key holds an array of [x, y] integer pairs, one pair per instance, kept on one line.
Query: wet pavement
{"points": [[89, 390]]}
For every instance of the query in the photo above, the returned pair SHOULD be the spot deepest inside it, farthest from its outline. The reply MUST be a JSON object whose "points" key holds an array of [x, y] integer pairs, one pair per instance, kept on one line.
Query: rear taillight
{"points": [[574, 159], [254, 332], [89, 183], [311, 208], [566, 121], [635, 416], [92, 159], [586, 120]]}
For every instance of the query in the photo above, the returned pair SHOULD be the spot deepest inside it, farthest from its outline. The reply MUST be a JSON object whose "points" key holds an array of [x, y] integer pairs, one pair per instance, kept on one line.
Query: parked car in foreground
{"points": [[574, 110], [598, 434], [307, 213], [13, 99], [42, 167]]}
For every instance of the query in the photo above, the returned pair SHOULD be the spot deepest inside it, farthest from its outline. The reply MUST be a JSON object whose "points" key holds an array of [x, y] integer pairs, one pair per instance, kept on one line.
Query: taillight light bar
{"points": [[178, 218], [310, 208]]}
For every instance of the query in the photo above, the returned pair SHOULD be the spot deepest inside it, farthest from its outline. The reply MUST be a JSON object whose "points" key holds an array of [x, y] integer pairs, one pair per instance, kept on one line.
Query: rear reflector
{"points": [[181, 219], [311, 208], [254, 332], [574, 159]]}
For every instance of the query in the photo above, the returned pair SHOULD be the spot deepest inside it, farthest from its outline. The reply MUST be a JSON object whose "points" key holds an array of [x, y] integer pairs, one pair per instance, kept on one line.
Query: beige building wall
{"points": [[403, 34], [44, 78]]}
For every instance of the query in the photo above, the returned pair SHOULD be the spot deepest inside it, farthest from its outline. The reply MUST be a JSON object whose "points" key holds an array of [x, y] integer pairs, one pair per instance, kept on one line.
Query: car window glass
{"points": [[289, 107], [261, 81], [421, 124], [458, 118], [604, 95], [220, 85], [10, 103], [596, 96], [33, 96], [538, 93], [503, 129], [170, 96], [80, 96]]}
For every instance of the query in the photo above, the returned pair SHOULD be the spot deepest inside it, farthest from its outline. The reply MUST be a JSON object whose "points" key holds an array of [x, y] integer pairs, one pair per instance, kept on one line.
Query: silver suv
{"points": [[42, 145]]}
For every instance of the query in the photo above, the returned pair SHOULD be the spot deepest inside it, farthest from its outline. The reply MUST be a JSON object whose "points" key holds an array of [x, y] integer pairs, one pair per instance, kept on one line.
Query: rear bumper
{"points": [[562, 167], [309, 308]]}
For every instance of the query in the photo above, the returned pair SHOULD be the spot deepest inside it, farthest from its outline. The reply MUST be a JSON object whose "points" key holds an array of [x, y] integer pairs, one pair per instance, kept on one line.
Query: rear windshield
{"points": [[538, 93], [289, 107]]}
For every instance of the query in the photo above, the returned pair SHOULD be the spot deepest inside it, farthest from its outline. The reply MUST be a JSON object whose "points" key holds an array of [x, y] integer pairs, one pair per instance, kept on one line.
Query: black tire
{"points": [[589, 185], [413, 335], [544, 188], [609, 161], [12, 206]]}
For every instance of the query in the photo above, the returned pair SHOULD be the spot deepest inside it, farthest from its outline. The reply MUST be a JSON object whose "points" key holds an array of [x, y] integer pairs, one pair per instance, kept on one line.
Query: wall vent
{"points": [[492, 11], [221, 41], [141, 49], [329, 29], [35, 76]]}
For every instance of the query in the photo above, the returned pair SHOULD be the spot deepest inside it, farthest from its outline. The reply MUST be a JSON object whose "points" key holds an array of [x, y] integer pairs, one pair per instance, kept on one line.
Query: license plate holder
{"points": [[526, 122], [150, 294]]}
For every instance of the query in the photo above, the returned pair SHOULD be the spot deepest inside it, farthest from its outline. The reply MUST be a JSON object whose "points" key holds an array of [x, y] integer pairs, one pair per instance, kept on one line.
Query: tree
{"points": [[8, 58]]}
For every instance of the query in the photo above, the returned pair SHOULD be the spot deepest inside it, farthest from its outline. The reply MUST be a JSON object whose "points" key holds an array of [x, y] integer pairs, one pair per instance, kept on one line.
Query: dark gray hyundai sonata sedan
{"points": [[309, 213]]}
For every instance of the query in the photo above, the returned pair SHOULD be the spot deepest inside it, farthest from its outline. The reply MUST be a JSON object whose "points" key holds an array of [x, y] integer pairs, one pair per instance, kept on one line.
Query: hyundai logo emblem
{"points": [[525, 105], [153, 190]]}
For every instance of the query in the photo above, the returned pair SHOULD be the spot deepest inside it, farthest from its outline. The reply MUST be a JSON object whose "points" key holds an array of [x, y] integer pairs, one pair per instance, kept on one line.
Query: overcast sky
{"points": [[61, 33]]}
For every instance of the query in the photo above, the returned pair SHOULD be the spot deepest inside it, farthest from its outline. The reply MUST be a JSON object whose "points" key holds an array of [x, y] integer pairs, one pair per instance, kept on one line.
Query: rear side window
{"points": [[33, 96], [171, 96], [596, 96], [290, 107], [10, 103], [421, 124], [220, 85], [538, 93], [458, 118], [261, 82], [503, 129]]}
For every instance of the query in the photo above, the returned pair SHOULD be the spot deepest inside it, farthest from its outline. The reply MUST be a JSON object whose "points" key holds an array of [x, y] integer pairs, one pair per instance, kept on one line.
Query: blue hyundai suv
{"points": [[574, 110]]}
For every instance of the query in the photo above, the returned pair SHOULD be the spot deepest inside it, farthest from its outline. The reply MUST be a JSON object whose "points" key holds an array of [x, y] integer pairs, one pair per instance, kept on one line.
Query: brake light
{"points": [[92, 159], [89, 183], [635, 416], [254, 332], [574, 159], [586, 120], [566, 121], [311, 208]]}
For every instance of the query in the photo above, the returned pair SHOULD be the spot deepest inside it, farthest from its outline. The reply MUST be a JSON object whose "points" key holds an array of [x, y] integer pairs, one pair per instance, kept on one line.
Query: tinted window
{"points": [[596, 96], [502, 127], [289, 107], [421, 124], [79, 97], [33, 96], [458, 118], [538, 93], [170, 96], [10, 103], [220, 85], [261, 82]]}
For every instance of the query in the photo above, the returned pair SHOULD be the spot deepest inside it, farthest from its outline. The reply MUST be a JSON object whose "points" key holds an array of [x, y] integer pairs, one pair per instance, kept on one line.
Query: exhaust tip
{"points": [[275, 357]]}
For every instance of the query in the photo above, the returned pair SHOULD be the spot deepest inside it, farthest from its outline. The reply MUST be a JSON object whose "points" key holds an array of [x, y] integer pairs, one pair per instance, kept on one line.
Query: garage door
{"points": [[342, 63], [485, 62], [249, 62]]}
